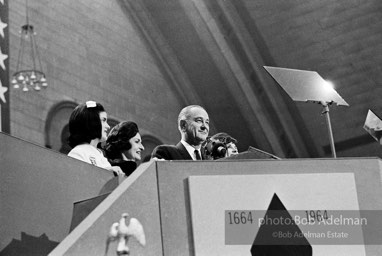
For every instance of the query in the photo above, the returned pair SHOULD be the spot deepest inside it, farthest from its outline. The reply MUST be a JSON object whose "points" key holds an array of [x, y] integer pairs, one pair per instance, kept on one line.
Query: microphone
{"points": [[216, 149]]}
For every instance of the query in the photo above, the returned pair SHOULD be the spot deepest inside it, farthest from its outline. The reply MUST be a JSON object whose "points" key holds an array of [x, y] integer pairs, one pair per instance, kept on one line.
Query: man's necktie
{"points": [[197, 155]]}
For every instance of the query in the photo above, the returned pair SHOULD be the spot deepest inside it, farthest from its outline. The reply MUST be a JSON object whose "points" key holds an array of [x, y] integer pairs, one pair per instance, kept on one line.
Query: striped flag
{"points": [[4, 68]]}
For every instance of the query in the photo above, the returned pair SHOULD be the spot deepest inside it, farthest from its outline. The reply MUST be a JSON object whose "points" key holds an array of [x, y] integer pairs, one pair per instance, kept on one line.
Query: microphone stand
{"points": [[326, 113]]}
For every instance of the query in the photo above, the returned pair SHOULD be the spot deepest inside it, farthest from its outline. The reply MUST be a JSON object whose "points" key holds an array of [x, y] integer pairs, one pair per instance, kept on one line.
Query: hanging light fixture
{"points": [[29, 72]]}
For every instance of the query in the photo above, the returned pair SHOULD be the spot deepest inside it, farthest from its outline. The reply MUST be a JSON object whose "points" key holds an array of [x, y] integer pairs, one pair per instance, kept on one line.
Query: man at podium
{"points": [[193, 125]]}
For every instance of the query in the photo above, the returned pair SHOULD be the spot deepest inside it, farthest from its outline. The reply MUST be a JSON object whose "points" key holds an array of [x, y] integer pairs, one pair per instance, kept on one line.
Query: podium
{"points": [[180, 206], [184, 206]]}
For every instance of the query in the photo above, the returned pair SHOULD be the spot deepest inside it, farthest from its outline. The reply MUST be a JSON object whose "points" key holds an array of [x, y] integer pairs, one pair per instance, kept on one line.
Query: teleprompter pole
{"points": [[326, 113]]}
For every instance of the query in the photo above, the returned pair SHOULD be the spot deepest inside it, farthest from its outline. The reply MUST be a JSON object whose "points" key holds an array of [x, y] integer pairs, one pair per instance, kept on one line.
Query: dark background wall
{"points": [[342, 41], [90, 51], [144, 60]]}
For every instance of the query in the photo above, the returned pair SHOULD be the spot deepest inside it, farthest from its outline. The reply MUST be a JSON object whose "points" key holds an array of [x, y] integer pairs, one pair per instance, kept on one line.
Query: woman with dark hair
{"points": [[124, 146], [87, 127]]}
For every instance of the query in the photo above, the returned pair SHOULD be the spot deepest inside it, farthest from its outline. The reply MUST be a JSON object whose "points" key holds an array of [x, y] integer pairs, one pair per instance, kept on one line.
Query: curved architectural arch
{"points": [[56, 126], [149, 142]]}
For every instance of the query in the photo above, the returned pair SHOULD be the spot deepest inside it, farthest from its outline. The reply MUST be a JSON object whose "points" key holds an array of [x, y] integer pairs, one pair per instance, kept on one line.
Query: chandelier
{"points": [[29, 72]]}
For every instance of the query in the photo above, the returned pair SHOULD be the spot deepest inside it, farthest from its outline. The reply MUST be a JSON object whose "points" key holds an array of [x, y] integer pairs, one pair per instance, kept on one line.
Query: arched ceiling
{"points": [[212, 55]]}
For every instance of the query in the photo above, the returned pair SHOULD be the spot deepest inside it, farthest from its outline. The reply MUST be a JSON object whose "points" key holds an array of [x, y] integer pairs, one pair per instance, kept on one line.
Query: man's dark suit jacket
{"points": [[171, 152]]}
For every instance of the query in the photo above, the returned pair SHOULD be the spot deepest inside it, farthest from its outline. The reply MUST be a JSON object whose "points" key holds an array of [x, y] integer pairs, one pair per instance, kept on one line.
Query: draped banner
{"points": [[4, 68]]}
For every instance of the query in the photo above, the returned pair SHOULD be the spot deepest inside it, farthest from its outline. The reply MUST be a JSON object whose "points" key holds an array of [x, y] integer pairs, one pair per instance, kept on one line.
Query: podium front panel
{"points": [[227, 210], [177, 228]]}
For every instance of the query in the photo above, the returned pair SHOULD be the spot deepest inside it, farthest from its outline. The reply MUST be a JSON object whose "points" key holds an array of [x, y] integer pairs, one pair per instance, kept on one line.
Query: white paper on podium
{"points": [[211, 196]]}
